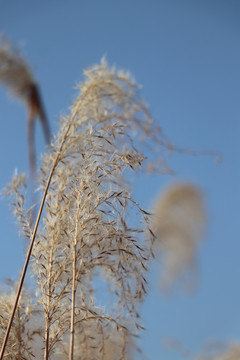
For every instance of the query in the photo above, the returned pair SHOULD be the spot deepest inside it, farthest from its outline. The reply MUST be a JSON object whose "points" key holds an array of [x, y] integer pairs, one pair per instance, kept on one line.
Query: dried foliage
{"points": [[87, 233], [86, 238], [178, 224]]}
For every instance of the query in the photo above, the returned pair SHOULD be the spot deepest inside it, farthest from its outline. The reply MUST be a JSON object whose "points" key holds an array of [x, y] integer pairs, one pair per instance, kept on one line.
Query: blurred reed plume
{"points": [[16, 75], [178, 224], [230, 353]]}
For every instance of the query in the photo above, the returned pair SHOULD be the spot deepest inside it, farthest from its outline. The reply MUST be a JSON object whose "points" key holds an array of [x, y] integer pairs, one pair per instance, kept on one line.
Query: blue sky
{"points": [[186, 54]]}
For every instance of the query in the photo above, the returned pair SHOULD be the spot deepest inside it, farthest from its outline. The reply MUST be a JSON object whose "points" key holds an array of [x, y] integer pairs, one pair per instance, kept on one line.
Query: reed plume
{"points": [[90, 232], [87, 231], [178, 224]]}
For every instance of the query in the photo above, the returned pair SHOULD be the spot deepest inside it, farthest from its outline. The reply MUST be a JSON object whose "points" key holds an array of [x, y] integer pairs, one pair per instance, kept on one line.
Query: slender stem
{"points": [[48, 321], [71, 345], [19, 333], [74, 279], [46, 351]]}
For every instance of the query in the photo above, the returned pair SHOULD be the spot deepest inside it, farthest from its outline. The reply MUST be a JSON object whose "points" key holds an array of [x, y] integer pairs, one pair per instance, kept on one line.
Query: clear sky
{"points": [[186, 54]]}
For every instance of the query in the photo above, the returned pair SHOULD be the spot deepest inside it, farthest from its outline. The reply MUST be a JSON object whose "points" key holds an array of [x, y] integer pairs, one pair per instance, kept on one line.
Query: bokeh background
{"points": [[186, 54]]}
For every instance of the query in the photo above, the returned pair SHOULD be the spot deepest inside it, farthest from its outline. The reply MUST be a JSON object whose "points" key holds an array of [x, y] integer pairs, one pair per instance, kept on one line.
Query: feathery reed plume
{"points": [[15, 74], [87, 231], [178, 224]]}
